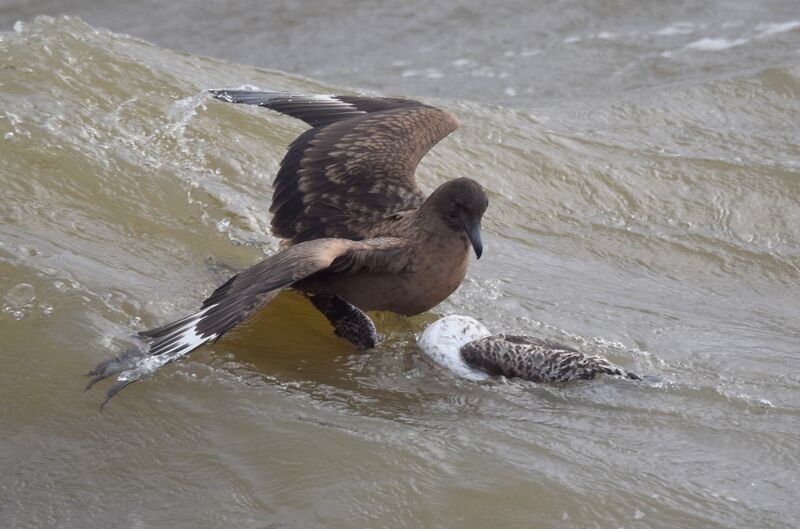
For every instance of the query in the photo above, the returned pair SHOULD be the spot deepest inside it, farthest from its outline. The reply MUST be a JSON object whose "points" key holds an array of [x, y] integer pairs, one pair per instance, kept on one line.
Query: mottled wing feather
{"points": [[536, 360], [354, 168], [246, 293], [316, 110], [338, 180], [537, 342]]}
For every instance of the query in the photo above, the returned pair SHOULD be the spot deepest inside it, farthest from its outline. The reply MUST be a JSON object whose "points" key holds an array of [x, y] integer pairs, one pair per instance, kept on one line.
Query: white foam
{"points": [[430, 73], [443, 339], [715, 44], [763, 31], [679, 28], [766, 30]]}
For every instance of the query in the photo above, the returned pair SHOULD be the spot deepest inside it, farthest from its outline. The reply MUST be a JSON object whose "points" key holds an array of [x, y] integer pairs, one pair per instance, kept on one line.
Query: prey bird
{"points": [[467, 348], [358, 234]]}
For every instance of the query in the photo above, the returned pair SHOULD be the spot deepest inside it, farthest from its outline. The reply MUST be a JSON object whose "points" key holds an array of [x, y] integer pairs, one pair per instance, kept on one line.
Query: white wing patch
{"points": [[180, 342], [328, 99]]}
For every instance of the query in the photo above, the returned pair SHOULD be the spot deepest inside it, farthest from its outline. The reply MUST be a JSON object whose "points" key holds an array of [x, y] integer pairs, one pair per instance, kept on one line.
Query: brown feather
{"points": [[337, 180]]}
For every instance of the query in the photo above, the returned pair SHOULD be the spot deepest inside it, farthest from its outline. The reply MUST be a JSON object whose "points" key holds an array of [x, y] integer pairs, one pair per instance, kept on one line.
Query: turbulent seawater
{"points": [[644, 179]]}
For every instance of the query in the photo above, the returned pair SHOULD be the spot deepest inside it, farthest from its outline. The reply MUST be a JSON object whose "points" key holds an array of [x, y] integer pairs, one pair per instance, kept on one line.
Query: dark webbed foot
{"points": [[349, 322]]}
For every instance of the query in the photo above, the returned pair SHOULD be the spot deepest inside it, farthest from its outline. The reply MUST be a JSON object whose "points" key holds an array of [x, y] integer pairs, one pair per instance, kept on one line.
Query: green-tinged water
{"points": [[658, 227]]}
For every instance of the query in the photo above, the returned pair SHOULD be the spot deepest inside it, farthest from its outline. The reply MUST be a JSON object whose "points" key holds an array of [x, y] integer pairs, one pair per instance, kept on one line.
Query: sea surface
{"points": [[642, 161]]}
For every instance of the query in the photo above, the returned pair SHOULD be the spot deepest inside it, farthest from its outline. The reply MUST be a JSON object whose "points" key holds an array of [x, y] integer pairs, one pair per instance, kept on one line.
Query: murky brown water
{"points": [[645, 205]]}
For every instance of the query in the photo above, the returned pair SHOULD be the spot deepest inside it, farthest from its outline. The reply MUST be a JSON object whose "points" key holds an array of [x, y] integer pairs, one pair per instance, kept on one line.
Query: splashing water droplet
{"points": [[19, 300], [21, 295]]}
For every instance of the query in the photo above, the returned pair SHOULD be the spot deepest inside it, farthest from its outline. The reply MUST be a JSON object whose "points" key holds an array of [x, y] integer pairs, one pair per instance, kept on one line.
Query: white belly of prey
{"points": [[443, 339]]}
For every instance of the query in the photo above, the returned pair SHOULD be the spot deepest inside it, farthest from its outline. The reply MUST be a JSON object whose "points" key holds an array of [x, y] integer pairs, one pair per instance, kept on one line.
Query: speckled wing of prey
{"points": [[354, 167], [536, 360], [243, 295]]}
